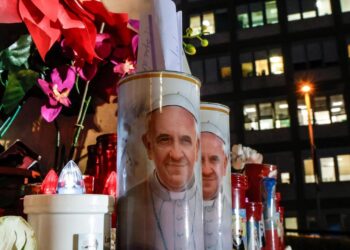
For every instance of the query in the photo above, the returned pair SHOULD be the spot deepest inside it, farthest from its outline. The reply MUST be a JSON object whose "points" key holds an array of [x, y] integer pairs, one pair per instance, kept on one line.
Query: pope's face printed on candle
{"points": [[214, 162], [172, 144]]}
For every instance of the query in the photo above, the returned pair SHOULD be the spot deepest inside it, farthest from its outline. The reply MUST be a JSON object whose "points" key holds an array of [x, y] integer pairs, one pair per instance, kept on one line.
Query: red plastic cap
{"points": [[110, 186], [49, 184]]}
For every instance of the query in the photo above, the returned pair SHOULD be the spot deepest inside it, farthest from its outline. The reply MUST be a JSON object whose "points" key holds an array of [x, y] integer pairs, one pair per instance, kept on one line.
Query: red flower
{"points": [[47, 21]]}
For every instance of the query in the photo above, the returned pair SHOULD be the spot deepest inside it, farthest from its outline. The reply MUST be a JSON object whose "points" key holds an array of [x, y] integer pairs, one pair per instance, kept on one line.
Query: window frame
{"points": [[336, 168], [249, 12], [274, 116], [219, 77], [270, 53], [329, 109], [307, 63], [301, 12]]}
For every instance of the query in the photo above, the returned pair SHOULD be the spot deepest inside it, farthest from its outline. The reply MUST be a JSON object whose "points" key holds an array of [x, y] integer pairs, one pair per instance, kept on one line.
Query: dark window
{"points": [[315, 54], [212, 69], [197, 69], [221, 20]]}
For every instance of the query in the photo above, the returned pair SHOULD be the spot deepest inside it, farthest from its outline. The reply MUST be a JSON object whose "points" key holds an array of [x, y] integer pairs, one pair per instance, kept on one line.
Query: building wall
{"points": [[313, 42]]}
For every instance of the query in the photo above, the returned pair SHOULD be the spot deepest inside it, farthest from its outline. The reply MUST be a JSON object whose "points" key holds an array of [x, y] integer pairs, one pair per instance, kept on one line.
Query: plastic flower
{"points": [[62, 81], [103, 48], [128, 67], [47, 21]]}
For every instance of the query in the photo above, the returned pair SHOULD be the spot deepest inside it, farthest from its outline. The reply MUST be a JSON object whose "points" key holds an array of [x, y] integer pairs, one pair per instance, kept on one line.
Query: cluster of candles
{"points": [[256, 204], [71, 181]]}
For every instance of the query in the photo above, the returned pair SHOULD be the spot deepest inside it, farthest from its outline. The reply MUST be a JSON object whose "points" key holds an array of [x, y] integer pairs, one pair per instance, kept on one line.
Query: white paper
{"points": [[185, 67], [160, 38], [146, 55], [180, 41]]}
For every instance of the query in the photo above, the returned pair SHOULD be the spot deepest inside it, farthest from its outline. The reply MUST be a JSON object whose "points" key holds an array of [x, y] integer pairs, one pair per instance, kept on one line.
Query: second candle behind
{"points": [[216, 176]]}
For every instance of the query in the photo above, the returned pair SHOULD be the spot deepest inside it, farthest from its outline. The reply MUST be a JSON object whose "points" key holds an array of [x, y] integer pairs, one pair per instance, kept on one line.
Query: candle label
{"points": [[239, 231], [90, 241]]}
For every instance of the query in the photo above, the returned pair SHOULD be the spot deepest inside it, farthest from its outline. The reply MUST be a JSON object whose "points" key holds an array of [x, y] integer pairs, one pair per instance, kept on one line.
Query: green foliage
{"points": [[18, 84], [17, 54], [15, 77]]}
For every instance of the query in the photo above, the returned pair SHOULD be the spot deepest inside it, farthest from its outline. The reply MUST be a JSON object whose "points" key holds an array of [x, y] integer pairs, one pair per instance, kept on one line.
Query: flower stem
{"points": [[80, 120], [6, 125], [82, 112]]}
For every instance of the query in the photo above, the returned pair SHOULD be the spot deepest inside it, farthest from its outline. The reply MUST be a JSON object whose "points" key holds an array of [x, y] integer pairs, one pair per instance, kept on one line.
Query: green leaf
{"points": [[28, 78], [18, 53], [17, 85]]}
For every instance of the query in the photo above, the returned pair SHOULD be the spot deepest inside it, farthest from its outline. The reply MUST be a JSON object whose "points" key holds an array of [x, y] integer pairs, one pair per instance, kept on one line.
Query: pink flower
{"points": [[128, 67], [62, 81]]}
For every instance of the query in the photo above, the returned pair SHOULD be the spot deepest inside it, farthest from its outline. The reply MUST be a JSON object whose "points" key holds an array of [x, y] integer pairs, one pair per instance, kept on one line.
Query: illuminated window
{"points": [[302, 113], [345, 5], [285, 178], [309, 171], [208, 23], [261, 63], [243, 17], [205, 21], [266, 118], [309, 8], [324, 113], [247, 69], [225, 68], [225, 72], [282, 115], [293, 10], [271, 12], [247, 64], [257, 14], [323, 7], [327, 169], [304, 9], [261, 67], [344, 167], [338, 113], [250, 117], [321, 112], [271, 115], [348, 50], [291, 223], [195, 24], [294, 17], [276, 62]]}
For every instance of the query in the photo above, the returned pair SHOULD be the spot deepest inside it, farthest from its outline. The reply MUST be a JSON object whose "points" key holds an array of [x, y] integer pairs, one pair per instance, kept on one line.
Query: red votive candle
{"points": [[239, 184]]}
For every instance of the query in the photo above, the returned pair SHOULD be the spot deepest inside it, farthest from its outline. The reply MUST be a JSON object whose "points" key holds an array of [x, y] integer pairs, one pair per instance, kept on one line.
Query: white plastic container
{"points": [[64, 222]]}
